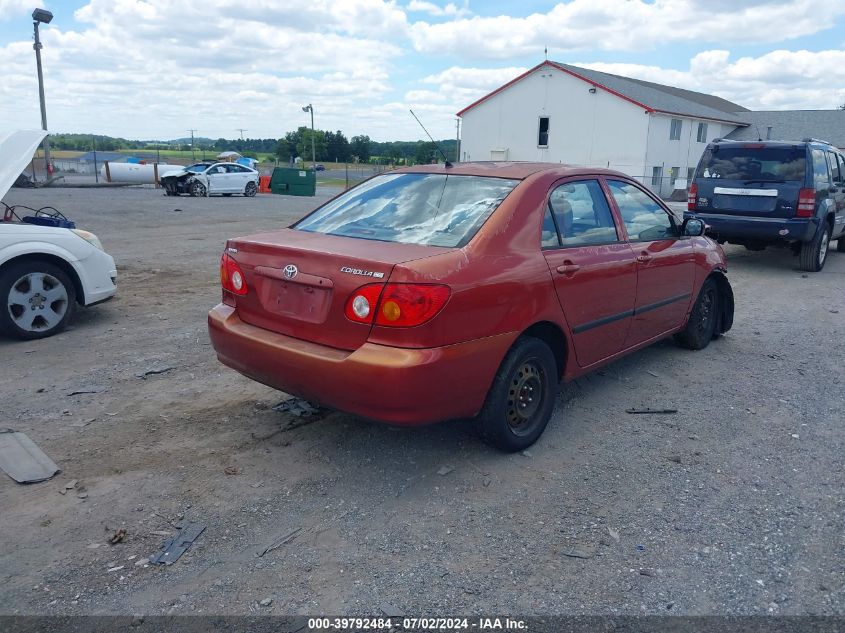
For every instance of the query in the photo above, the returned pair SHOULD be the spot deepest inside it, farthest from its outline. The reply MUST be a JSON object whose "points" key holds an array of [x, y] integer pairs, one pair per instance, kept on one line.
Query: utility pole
{"points": [[310, 108], [242, 130], [94, 147], [193, 155], [41, 16], [457, 140]]}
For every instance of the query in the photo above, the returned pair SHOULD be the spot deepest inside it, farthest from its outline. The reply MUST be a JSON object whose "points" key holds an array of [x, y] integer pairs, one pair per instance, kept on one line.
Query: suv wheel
{"points": [[814, 253], [521, 398]]}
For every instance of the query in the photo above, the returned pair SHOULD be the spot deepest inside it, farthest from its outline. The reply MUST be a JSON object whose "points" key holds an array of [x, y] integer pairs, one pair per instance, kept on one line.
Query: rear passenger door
{"points": [[665, 262], [593, 269], [837, 192]]}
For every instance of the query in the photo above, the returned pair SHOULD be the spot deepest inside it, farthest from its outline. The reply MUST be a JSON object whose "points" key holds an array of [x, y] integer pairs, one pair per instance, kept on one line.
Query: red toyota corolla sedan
{"points": [[466, 291]]}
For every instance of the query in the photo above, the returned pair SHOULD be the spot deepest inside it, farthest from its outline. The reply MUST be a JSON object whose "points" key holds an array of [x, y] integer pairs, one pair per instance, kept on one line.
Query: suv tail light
{"points": [[806, 203], [396, 305], [231, 276], [691, 197]]}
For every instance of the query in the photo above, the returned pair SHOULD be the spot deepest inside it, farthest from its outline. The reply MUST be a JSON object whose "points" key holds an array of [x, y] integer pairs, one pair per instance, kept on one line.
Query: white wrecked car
{"points": [[47, 265], [206, 179]]}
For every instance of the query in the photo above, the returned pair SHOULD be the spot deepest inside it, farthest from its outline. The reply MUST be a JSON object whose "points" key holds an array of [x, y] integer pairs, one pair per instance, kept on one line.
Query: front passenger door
{"points": [[594, 270], [665, 262]]}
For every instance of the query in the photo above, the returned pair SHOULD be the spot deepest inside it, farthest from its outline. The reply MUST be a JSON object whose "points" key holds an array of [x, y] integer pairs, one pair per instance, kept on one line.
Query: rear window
{"points": [[431, 209], [757, 164]]}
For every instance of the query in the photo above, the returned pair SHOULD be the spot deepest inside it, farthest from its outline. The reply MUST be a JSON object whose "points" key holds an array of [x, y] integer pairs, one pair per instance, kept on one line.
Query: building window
{"points": [[675, 130], [674, 175], [543, 134], [656, 176], [701, 137]]}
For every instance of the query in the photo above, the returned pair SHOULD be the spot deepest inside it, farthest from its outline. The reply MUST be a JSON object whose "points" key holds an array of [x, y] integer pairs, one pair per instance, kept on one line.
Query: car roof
{"points": [[514, 169]]}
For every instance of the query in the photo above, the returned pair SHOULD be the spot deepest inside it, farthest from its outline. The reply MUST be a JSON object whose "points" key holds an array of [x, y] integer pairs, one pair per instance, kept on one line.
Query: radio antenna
{"points": [[436, 144]]}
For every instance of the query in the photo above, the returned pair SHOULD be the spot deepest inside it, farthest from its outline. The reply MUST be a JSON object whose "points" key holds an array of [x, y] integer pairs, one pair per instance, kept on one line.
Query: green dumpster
{"points": [[293, 182]]}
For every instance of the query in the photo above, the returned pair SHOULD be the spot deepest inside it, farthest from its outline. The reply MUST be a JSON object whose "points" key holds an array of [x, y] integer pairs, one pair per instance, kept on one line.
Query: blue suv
{"points": [[765, 193]]}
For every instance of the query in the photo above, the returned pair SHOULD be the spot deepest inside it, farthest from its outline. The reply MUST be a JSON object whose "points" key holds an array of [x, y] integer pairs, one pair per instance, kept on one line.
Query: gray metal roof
{"points": [[664, 98], [793, 125]]}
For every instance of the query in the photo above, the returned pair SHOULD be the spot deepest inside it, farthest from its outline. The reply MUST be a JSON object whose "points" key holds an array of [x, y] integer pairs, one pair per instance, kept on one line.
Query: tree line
{"points": [[328, 146]]}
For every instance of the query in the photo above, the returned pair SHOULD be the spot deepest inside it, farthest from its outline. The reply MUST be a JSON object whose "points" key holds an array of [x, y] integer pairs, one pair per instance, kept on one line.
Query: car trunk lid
{"points": [[299, 281]]}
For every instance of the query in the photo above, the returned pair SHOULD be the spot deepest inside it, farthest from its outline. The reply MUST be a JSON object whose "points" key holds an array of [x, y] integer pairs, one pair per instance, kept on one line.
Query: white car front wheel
{"points": [[36, 300]]}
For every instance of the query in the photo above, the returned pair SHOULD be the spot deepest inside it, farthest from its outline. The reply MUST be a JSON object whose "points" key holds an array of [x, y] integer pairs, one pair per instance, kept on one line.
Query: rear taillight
{"points": [[231, 276], [396, 305], [806, 203], [691, 197]]}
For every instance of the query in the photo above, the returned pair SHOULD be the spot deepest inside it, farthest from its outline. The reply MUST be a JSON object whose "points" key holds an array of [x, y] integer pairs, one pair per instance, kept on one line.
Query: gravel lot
{"points": [[733, 505]]}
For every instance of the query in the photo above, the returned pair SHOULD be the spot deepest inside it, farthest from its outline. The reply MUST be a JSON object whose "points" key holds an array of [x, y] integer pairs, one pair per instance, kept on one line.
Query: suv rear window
{"points": [[432, 209], [753, 163]]}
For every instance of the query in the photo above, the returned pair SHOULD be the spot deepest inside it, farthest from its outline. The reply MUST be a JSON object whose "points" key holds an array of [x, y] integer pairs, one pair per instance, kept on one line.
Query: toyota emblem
{"points": [[290, 271]]}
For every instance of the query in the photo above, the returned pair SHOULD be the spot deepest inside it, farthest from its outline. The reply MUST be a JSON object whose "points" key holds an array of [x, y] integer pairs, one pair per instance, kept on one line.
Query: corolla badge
{"points": [[290, 271], [364, 273]]}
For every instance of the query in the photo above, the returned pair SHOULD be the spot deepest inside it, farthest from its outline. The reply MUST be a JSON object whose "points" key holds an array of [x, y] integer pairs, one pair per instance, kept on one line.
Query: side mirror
{"points": [[693, 227]]}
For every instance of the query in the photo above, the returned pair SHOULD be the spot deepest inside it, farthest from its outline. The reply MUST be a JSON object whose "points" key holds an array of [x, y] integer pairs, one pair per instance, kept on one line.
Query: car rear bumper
{"points": [[728, 227], [388, 384]]}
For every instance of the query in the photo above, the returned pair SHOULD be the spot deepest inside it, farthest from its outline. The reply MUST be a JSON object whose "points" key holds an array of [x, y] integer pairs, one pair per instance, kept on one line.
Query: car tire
{"points": [[198, 189], [701, 325], [37, 300], [250, 190], [521, 398], [840, 244], [813, 254]]}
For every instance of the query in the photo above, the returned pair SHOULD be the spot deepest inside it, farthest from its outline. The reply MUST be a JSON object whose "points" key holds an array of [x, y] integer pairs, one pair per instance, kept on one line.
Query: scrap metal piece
{"points": [[648, 410], [22, 460], [297, 407], [174, 547]]}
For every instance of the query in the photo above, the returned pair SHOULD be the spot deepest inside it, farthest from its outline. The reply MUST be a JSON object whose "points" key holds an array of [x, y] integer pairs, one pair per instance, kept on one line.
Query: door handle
{"points": [[644, 258], [568, 268]]}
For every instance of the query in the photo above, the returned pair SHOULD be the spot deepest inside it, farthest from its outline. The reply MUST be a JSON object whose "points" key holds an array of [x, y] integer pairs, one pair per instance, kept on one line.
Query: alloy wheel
{"points": [[37, 302]]}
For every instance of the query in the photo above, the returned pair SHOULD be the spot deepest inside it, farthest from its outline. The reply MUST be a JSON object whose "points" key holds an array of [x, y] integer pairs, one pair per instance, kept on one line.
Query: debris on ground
{"points": [[87, 389], [174, 547], [117, 537], [445, 470], [650, 410], [613, 534], [266, 602], [141, 562], [232, 470], [390, 611], [154, 371], [297, 407], [580, 551], [287, 538], [22, 460], [116, 568]]}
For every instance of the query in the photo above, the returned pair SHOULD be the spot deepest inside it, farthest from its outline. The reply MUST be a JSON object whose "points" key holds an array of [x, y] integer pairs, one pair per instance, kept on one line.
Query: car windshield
{"points": [[753, 163], [432, 209], [198, 168]]}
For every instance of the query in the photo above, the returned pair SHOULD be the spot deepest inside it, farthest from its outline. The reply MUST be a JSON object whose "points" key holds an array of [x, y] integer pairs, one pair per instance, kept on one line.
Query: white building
{"points": [[561, 113]]}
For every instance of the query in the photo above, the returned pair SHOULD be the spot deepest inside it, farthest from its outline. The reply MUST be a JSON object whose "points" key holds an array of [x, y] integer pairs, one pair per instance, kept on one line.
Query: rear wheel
{"points": [[522, 397], [814, 253], [250, 189], [36, 300], [701, 325]]}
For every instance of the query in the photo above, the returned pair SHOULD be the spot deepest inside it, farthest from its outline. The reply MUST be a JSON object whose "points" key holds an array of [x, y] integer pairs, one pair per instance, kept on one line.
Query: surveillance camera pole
{"points": [[310, 108], [37, 47]]}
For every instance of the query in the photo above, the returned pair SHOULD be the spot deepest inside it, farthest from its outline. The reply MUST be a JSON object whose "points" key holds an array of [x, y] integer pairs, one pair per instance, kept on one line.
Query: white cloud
{"points": [[13, 8], [154, 69], [462, 86], [628, 25], [450, 10], [779, 80]]}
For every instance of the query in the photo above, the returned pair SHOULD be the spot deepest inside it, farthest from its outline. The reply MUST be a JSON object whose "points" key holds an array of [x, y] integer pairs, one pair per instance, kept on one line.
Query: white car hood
{"points": [[176, 171], [16, 151]]}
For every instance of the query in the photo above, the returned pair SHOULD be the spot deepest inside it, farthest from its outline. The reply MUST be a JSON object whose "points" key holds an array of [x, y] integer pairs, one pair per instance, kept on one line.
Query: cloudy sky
{"points": [[155, 68]]}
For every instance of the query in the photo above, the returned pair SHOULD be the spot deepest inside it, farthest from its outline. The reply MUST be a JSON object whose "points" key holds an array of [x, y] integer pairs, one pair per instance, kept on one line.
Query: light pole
{"points": [[310, 108], [40, 16]]}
